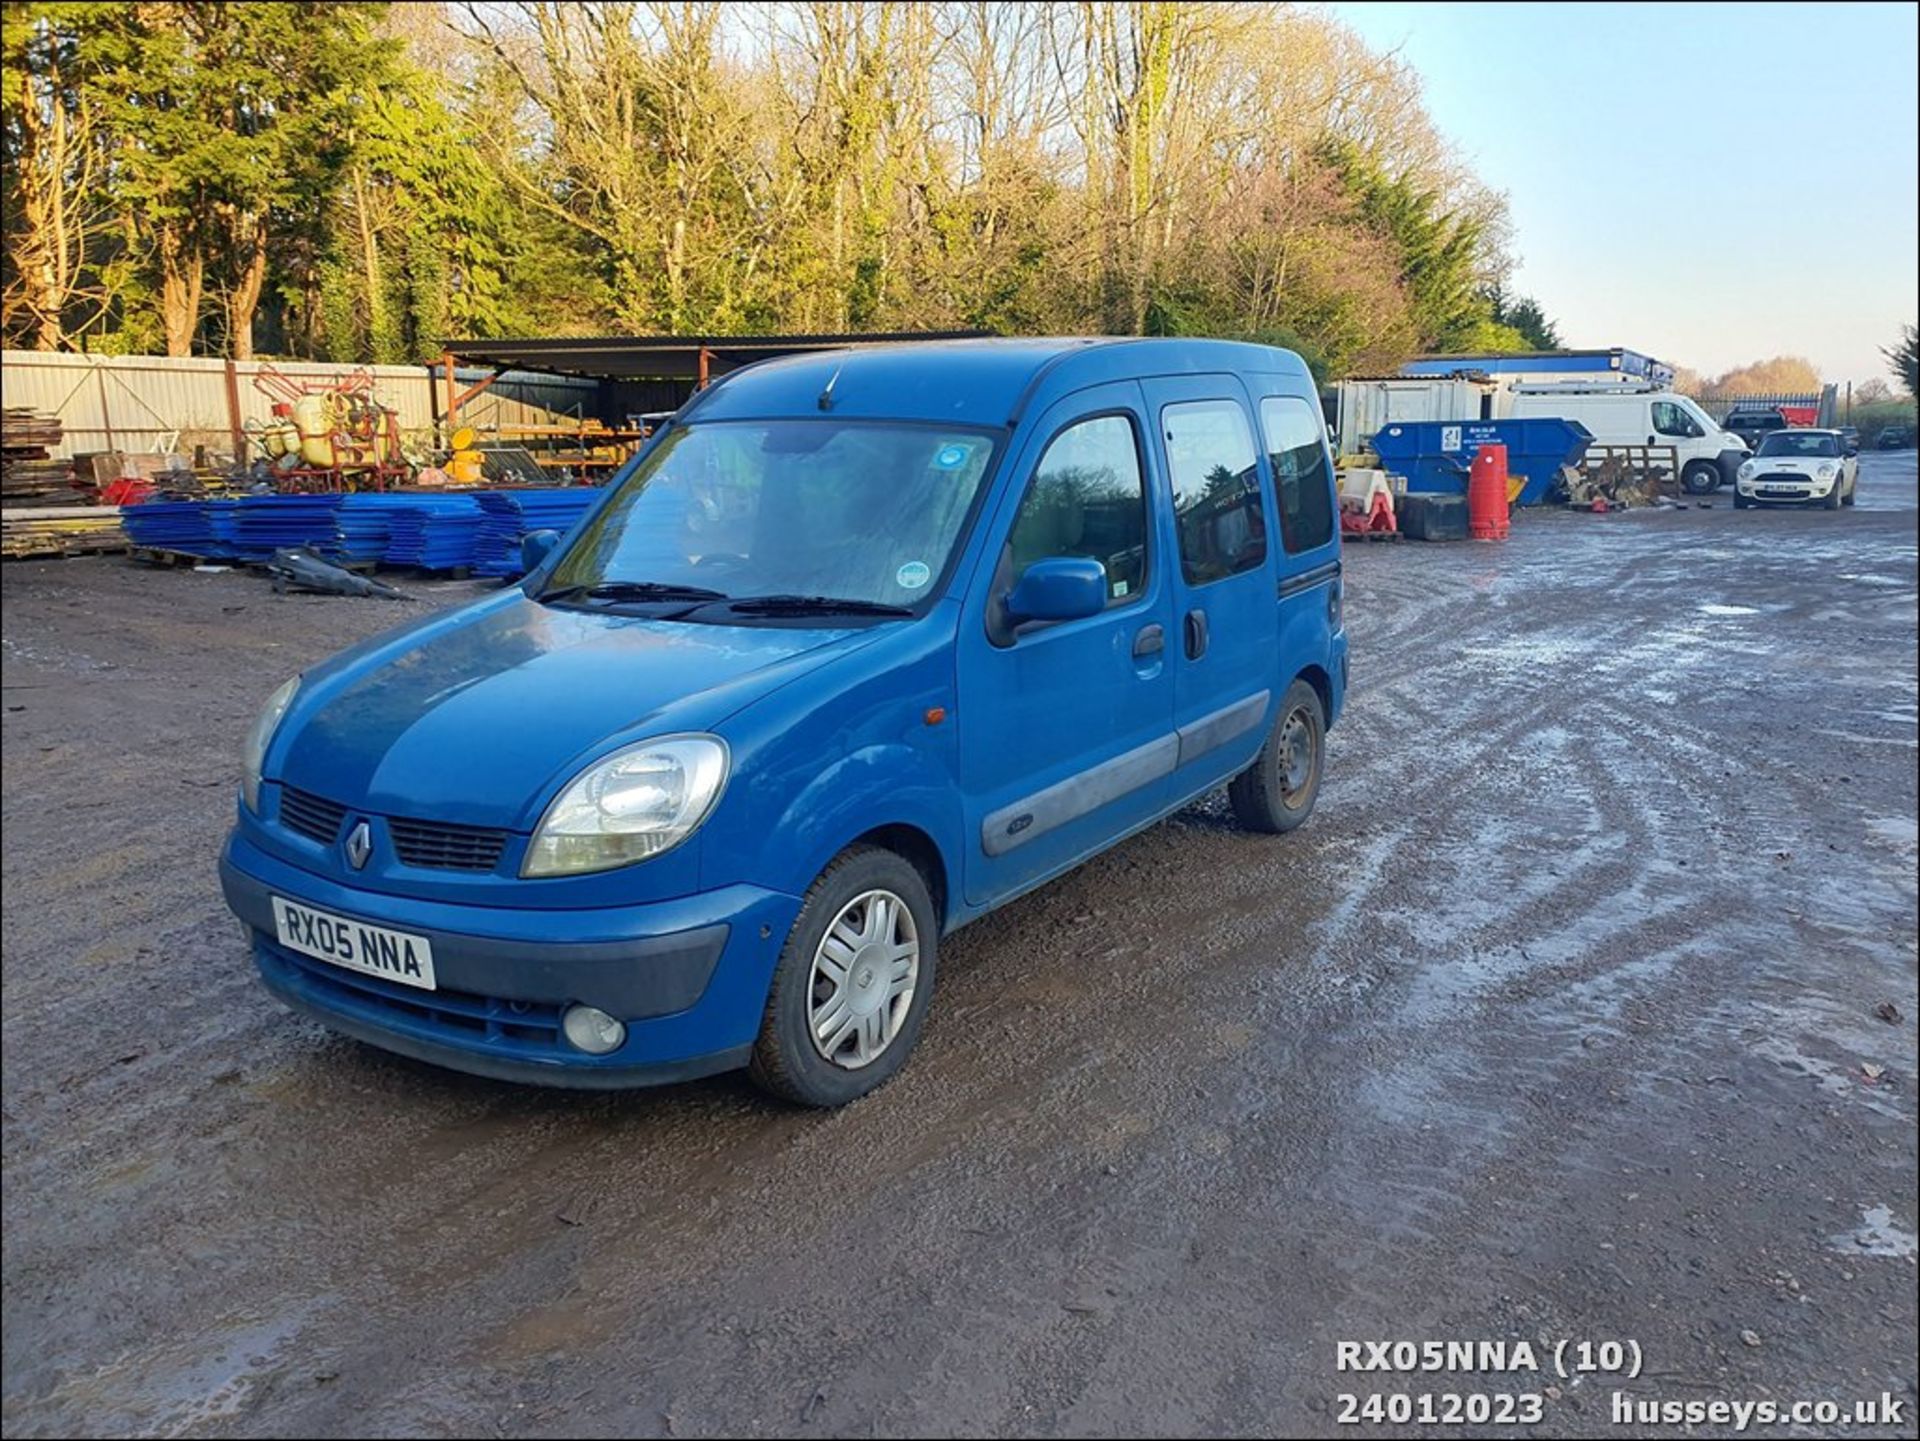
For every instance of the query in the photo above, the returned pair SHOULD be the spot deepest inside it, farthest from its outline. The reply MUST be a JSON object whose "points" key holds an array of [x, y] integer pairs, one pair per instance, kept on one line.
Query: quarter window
{"points": [[1216, 489], [1297, 451], [1087, 499]]}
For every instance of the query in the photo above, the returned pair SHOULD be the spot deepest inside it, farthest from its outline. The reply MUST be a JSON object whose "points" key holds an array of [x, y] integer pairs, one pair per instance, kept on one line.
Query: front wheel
{"points": [[851, 989], [1740, 502], [1701, 478], [1277, 792], [1853, 492], [1831, 500]]}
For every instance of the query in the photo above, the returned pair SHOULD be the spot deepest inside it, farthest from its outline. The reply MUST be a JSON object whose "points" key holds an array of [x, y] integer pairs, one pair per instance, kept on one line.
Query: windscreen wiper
{"points": [[617, 590], [812, 605]]}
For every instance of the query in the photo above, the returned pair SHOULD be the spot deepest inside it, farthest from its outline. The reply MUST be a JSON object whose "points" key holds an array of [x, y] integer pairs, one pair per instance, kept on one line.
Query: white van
{"points": [[1627, 415]]}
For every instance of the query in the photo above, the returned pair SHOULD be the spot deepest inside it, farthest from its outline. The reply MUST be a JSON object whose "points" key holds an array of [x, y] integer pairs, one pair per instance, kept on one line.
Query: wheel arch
{"points": [[919, 850], [1316, 676]]}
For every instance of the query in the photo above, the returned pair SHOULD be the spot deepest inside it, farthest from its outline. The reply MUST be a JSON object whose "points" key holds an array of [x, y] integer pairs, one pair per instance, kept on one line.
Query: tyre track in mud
{"points": [[1180, 1120]]}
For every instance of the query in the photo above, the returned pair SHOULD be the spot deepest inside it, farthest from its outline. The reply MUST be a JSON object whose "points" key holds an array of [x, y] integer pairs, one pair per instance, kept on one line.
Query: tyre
{"points": [[1701, 478], [1740, 502], [1831, 500], [1853, 492], [851, 989], [1277, 792]]}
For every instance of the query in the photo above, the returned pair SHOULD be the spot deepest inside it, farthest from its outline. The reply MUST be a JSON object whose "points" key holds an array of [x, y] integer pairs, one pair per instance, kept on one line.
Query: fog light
{"points": [[592, 1030]]}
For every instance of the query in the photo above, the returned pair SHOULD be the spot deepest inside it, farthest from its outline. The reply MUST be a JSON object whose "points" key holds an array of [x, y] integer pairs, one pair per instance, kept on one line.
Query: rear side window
{"points": [[1087, 499], [1216, 489], [1296, 448]]}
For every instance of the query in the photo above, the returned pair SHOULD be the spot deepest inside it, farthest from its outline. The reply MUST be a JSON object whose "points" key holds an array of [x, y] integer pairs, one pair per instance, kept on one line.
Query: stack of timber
{"points": [[28, 473], [60, 530]]}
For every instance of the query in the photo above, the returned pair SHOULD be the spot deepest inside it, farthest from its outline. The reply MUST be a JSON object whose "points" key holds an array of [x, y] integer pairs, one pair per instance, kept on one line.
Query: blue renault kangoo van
{"points": [[863, 644]]}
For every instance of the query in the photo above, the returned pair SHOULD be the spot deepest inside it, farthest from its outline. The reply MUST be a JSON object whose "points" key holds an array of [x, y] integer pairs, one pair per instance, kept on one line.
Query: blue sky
{"points": [[1710, 184]]}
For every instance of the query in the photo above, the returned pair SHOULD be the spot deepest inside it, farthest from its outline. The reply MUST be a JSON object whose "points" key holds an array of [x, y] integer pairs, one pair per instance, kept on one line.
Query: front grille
{"points": [[1783, 477], [463, 1018], [445, 847], [310, 815]]}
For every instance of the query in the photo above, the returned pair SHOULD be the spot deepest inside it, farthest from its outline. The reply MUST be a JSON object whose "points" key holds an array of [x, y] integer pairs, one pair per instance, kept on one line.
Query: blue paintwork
{"points": [[481, 715], [1435, 455]]}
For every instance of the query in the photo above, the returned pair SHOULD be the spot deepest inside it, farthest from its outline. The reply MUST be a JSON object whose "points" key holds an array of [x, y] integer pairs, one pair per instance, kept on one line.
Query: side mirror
{"points": [[1062, 587], [536, 546]]}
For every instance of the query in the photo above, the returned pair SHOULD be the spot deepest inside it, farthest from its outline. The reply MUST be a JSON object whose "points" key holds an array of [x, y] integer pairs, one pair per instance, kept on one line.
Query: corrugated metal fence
{"points": [[166, 403]]}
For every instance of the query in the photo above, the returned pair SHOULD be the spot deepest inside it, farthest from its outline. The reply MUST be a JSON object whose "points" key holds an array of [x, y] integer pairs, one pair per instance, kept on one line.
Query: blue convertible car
{"points": [[862, 645]]}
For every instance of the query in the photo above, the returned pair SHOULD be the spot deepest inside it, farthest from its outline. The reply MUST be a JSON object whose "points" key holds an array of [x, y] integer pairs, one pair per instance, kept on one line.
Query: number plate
{"points": [[373, 950]]}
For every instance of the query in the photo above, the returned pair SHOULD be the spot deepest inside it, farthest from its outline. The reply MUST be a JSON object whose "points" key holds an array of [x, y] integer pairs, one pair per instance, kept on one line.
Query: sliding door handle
{"points": [[1196, 634]]}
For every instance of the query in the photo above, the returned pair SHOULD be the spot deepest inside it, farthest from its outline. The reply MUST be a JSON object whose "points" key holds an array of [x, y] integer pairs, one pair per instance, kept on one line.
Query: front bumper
{"points": [[1784, 489], [689, 976]]}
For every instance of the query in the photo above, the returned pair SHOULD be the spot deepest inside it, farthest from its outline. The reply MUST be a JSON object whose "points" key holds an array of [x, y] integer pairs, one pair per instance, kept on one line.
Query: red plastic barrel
{"points": [[1487, 494]]}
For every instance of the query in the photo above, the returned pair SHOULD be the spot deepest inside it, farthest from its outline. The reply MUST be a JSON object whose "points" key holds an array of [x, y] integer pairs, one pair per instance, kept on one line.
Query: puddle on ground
{"points": [[1878, 1235], [1729, 610], [1896, 831], [187, 1385]]}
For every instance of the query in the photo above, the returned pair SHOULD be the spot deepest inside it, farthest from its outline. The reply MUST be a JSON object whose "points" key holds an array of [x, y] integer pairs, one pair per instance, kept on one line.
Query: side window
{"points": [[1297, 451], [1670, 419], [1216, 489], [1087, 499]]}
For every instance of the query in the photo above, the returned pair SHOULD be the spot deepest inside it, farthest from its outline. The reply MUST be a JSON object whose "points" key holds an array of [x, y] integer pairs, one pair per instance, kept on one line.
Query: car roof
{"points": [[990, 382]]}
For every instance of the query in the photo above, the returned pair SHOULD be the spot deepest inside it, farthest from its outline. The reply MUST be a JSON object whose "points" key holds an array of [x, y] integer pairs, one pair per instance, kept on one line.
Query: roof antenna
{"points": [[826, 396]]}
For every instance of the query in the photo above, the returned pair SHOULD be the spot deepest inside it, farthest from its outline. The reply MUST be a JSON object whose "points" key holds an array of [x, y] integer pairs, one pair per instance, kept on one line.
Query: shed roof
{"points": [[665, 357]]}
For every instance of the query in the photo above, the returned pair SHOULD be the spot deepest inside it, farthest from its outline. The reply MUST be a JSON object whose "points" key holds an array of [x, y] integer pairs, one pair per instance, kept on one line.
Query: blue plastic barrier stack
{"points": [[510, 514], [434, 532], [273, 522], [179, 525]]}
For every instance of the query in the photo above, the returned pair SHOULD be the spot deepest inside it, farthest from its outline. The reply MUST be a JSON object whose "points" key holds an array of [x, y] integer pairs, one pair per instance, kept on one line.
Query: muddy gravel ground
{"points": [[1563, 1019]]}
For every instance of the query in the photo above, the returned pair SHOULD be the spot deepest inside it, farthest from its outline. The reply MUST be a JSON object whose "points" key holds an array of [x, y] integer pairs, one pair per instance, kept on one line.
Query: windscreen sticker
{"points": [[912, 575], [952, 457]]}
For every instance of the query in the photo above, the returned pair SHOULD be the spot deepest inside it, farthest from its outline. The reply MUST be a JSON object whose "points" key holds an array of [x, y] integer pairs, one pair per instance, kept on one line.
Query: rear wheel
{"points": [[1277, 792], [1701, 478], [851, 990]]}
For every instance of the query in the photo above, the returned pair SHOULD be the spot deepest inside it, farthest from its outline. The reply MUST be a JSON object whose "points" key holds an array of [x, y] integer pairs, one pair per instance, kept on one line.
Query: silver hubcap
{"points": [[1296, 756], [864, 972]]}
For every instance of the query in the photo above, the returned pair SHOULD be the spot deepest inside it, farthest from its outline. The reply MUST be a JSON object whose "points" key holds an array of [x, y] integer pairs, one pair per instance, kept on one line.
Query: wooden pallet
{"points": [[56, 550], [153, 555]]}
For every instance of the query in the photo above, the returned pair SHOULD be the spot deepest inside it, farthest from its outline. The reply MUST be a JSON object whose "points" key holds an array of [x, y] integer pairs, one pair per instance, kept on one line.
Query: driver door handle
{"points": [[1150, 640]]}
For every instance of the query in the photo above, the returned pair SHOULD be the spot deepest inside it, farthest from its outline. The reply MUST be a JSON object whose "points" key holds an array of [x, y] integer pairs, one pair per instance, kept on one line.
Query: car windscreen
{"points": [[865, 511], [1806, 445]]}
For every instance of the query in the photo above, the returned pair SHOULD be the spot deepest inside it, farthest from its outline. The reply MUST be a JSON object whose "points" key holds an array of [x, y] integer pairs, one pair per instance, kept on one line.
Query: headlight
{"points": [[1827, 472], [255, 753], [635, 803], [1746, 471]]}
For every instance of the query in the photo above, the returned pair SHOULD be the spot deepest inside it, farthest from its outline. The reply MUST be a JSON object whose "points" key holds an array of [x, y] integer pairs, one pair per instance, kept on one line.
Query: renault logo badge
{"points": [[359, 845]]}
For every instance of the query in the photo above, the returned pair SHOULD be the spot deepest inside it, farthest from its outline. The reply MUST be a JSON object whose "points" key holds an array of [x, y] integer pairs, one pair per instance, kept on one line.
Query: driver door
{"points": [[1066, 729]]}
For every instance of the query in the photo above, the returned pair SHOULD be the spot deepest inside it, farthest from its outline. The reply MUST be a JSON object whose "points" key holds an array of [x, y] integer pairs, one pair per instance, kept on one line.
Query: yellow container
{"points": [[310, 419], [465, 468]]}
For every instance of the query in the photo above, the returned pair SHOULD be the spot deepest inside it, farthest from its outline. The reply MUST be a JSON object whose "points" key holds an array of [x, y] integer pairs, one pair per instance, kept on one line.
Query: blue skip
{"points": [[1435, 455]]}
